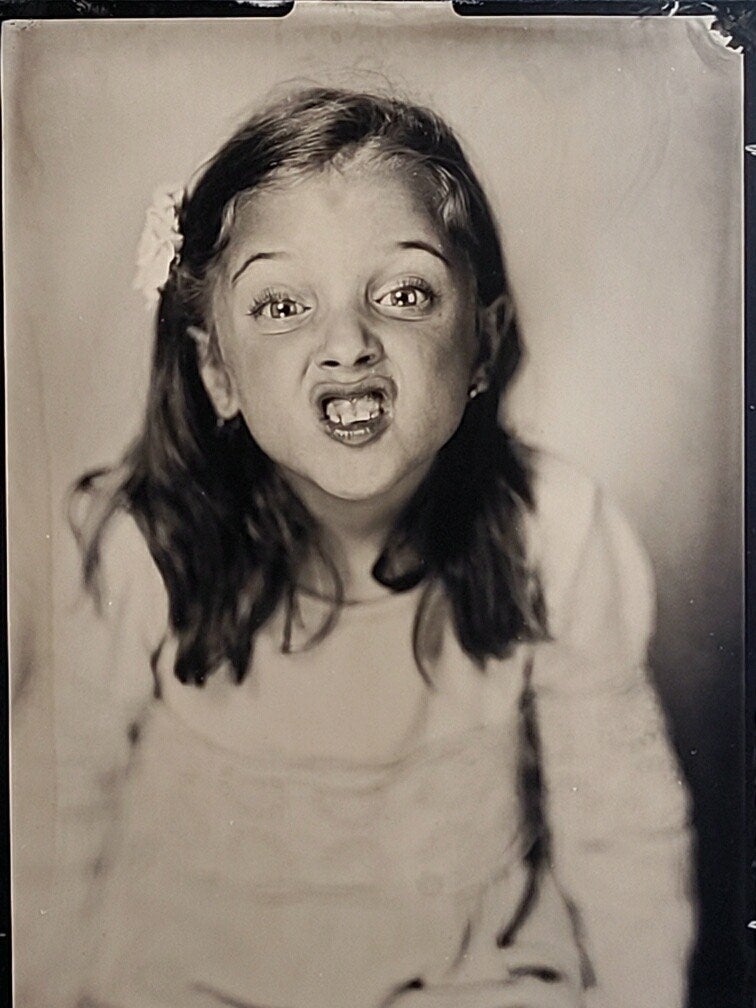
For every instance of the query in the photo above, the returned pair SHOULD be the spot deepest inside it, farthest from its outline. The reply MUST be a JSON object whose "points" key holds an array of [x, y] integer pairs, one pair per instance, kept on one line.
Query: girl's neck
{"points": [[352, 561], [352, 534]]}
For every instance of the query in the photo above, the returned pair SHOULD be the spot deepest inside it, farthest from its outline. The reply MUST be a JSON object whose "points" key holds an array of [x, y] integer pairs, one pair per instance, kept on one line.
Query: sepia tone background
{"points": [[611, 150]]}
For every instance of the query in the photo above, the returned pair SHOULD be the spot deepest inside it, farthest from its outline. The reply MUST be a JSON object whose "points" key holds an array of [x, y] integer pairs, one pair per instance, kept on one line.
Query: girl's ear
{"points": [[215, 375], [494, 321]]}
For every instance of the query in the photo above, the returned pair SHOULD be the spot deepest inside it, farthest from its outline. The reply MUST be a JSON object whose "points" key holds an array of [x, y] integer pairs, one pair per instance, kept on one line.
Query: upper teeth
{"points": [[349, 411]]}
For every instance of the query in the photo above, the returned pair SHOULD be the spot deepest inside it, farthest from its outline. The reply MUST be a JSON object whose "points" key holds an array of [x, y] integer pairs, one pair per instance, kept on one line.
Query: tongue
{"points": [[353, 411]]}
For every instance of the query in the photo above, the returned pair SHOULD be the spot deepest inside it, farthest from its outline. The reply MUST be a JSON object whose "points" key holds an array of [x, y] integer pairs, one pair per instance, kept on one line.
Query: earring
{"points": [[477, 388], [228, 426]]}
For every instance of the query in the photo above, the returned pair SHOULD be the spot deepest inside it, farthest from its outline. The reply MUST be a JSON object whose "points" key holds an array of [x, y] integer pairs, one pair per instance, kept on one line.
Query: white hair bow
{"points": [[160, 244]]}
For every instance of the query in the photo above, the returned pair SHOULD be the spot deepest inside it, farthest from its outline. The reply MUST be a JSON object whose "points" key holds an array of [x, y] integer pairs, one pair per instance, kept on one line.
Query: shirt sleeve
{"points": [[103, 689], [616, 805]]}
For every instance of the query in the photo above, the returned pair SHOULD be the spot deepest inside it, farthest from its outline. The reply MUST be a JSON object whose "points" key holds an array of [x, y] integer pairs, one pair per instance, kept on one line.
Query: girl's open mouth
{"points": [[355, 414]]}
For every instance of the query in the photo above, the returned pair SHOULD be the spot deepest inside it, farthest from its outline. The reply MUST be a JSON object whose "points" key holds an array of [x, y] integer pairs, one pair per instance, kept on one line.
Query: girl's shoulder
{"points": [[130, 586], [566, 505], [565, 502], [589, 558]]}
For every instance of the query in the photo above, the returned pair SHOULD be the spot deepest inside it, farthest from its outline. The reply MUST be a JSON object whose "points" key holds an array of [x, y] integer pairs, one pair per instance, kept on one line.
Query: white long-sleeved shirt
{"points": [[616, 808]]}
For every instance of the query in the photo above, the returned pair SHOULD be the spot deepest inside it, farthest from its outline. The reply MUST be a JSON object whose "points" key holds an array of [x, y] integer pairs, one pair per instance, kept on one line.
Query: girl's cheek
{"points": [[250, 359], [449, 360]]}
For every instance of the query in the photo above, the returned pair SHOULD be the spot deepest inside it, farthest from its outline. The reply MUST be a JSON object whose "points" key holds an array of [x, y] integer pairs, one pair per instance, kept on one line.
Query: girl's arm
{"points": [[616, 804], [102, 686]]}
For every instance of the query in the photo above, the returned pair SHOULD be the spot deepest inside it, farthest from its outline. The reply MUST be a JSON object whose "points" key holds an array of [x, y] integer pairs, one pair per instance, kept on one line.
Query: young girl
{"points": [[365, 720]]}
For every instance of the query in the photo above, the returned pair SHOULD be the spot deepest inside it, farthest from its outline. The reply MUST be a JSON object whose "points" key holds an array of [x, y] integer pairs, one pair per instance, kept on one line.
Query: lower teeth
{"points": [[352, 430]]}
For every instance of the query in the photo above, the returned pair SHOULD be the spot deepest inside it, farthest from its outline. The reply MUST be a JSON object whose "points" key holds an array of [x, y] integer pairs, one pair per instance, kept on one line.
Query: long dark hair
{"points": [[224, 528]]}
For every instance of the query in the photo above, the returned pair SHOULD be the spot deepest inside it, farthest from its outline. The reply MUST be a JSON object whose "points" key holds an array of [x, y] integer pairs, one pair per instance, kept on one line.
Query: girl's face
{"points": [[347, 330]]}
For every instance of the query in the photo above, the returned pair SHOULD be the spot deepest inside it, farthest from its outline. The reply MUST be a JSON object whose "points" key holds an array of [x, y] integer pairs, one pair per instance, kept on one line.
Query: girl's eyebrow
{"points": [[251, 259], [425, 247], [414, 244]]}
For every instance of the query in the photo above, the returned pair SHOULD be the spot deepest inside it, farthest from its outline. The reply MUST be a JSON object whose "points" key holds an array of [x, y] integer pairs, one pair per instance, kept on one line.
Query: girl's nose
{"points": [[349, 343]]}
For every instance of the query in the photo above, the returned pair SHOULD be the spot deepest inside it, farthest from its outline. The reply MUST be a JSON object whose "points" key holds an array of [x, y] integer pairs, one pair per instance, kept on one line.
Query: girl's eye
{"points": [[277, 307], [411, 296]]}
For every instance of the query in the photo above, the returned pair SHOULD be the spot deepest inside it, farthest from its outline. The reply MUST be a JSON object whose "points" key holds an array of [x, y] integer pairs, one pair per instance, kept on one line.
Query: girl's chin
{"points": [[366, 483], [354, 490]]}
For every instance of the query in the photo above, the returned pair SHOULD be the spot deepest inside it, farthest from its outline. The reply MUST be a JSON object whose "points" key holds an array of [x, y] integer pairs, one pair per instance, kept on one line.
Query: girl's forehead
{"points": [[356, 197]]}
